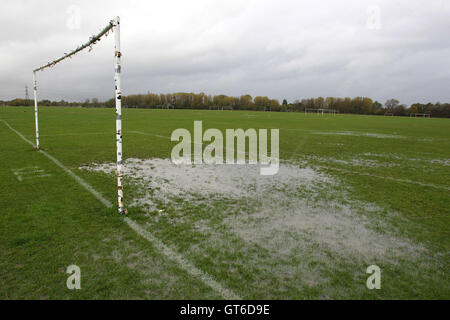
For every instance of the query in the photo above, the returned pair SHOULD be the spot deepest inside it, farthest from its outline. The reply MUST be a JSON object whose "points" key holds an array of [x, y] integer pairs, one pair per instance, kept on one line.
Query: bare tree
{"points": [[391, 104]]}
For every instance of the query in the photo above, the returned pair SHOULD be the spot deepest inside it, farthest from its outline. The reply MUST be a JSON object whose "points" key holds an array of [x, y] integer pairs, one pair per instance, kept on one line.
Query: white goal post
{"points": [[114, 25], [421, 115], [321, 111]]}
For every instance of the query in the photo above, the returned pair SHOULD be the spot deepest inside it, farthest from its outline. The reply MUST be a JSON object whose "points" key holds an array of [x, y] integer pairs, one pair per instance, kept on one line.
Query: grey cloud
{"points": [[284, 49]]}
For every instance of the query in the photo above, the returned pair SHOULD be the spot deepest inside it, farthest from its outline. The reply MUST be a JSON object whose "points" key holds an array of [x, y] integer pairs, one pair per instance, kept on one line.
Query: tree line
{"points": [[183, 100]]}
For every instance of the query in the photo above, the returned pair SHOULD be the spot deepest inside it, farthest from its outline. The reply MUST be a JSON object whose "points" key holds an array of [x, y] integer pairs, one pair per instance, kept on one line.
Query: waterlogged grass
{"points": [[386, 177]]}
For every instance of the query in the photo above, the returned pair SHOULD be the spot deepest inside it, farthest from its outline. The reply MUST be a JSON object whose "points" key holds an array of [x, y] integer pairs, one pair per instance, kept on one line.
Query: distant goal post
{"points": [[321, 111], [113, 26], [420, 115]]}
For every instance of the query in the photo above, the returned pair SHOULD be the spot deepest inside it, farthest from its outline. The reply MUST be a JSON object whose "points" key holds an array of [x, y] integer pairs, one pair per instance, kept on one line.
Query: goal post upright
{"points": [[118, 98], [36, 122]]}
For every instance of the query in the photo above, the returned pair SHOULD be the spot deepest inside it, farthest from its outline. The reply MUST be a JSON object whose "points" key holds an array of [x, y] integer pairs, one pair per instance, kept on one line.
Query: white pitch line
{"points": [[73, 134], [83, 183], [96, 194], [168, 252], [387, 178], [181, 261], [149, 134]]}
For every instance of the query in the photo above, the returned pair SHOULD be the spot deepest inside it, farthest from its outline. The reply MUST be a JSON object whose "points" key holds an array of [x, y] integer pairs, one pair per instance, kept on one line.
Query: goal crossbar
{"points": [[114, 25], [92, 40]]}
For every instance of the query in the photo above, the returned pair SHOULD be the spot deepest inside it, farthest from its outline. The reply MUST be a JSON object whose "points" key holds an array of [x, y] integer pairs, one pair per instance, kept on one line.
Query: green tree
{"points": [[320, 103], [367, 105]]}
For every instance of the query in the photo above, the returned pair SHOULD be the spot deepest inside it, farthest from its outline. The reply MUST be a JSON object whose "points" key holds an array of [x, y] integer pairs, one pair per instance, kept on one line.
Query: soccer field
{"points": [[352, 191]]}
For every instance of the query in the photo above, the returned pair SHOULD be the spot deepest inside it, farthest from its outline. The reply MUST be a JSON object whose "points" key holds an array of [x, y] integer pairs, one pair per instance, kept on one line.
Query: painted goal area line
{"points": [[158, 244]]}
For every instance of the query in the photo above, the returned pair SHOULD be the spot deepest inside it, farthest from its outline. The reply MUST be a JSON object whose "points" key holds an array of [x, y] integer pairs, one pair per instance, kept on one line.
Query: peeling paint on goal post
{"points": [[117, 70]]}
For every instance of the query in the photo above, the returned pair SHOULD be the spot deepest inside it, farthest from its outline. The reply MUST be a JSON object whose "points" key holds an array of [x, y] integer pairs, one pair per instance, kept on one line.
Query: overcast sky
{"points": [[289, 49]]}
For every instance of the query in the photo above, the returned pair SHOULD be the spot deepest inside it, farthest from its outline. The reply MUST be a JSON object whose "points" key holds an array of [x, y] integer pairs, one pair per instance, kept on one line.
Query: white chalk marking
{"points": [[386, 178], [29, 173], [181, 261], [69, 172], [73, 134], [19, 177], [149, 134], [83, 183]]}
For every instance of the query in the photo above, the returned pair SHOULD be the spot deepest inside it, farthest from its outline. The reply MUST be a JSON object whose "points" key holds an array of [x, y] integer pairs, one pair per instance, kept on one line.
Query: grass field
{"points": [[352, 191]]}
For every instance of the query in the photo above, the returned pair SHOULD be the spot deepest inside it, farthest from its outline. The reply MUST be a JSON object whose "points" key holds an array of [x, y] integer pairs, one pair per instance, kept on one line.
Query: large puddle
{"points": [[297, 210]]}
